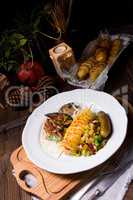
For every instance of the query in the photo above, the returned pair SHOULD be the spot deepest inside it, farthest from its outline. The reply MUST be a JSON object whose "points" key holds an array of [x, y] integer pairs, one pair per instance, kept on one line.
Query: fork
{"points": [[120, 168]]}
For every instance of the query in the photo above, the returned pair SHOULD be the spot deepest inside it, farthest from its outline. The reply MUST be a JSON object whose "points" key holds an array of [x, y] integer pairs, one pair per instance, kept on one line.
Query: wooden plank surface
{"points": [[9, 189]]}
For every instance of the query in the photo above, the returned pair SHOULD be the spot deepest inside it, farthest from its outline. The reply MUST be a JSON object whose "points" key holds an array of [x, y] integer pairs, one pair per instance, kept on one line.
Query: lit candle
{"points": [[60, 49]]}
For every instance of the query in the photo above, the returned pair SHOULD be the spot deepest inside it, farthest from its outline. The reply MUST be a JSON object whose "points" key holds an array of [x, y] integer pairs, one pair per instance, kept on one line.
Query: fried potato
{"points": [[104, 41], [116, 46], [111, 59], [83, 72], [96, 71], [101, 55], [116, 42]]}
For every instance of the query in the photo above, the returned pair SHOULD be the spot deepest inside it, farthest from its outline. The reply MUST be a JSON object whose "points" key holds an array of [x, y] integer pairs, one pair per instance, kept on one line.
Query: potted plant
{"points": [[21, 47]]}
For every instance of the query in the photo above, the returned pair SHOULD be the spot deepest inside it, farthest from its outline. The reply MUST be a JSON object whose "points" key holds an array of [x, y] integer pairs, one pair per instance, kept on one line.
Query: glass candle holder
{"points": [[62, 57]]}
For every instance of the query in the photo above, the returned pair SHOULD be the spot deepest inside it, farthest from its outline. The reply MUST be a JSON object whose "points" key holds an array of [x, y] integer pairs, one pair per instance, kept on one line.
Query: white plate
{"points": [[69, 164]]}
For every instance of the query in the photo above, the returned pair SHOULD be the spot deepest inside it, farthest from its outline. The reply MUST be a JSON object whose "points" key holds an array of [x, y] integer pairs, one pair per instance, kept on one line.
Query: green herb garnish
{"points": [[54, 138], [98, 140]]}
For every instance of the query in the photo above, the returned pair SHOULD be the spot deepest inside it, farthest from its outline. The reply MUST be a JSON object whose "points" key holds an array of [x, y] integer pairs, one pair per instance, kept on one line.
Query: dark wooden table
{"points": [[10, 140]]}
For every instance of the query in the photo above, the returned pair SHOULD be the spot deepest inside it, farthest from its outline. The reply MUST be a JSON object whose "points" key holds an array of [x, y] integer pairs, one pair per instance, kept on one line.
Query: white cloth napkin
{"points": [[116, 191]]}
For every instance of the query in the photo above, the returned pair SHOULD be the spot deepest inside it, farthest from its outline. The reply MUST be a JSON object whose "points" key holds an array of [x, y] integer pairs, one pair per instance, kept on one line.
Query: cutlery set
{"points": [[51, 186]]}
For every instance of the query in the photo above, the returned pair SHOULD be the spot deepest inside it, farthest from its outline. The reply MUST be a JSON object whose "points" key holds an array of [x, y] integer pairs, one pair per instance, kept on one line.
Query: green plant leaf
{"points": [[9, 68], [22, 42], [7, 53], [54, 138], [17, 36]]}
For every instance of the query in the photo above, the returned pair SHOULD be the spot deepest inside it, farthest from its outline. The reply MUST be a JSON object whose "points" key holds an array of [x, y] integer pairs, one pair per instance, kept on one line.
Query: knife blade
{"points": [[103, 183]]}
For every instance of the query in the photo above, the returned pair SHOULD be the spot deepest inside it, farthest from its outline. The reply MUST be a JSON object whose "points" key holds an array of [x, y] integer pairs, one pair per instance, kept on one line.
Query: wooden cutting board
{"points": [[52, 186], [49, 186]]}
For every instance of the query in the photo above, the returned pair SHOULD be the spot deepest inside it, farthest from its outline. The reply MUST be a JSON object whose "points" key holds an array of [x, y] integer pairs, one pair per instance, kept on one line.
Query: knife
{"points": [[104, 182]]}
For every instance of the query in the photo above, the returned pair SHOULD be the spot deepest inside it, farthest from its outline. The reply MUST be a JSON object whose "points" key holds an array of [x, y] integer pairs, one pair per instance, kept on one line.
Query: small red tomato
{"points": [[29, 73]]}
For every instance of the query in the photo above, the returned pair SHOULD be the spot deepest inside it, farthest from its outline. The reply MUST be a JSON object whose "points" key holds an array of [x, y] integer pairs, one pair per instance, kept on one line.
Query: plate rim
{"points": [[31, 157]]}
